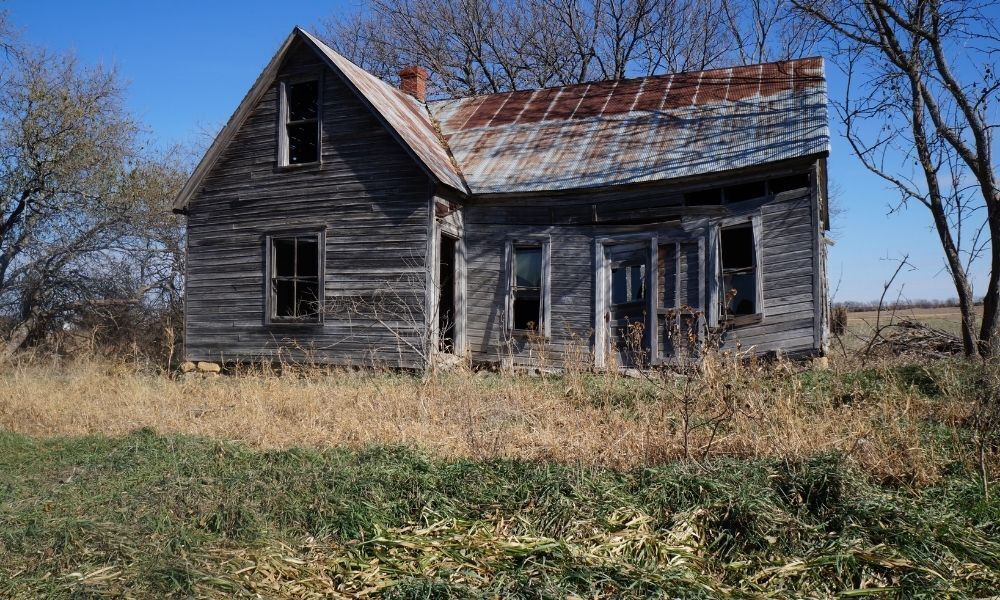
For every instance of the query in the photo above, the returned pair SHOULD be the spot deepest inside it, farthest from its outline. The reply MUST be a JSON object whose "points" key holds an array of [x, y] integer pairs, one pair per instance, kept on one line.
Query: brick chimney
{"points": [[413, 81]]}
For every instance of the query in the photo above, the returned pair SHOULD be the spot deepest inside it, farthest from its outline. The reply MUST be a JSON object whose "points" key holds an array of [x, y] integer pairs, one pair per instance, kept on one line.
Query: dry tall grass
{"points": [[732, 409]]}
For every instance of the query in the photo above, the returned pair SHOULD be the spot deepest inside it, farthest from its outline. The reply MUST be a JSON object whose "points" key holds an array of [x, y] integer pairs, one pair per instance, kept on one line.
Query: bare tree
{"points": [[486, 46], [921, 83], [767, 30], [77, 198]]}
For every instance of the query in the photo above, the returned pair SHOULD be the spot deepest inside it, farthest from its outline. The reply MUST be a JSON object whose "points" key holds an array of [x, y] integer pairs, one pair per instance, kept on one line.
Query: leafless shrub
{"points": [[838, 320], [986, 423]]}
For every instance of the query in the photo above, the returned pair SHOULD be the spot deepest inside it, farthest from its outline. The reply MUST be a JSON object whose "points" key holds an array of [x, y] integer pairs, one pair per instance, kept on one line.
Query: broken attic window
{"points": [[302, 122], [527, 291], [791, 182], [710, 197], [746, 191], [295, 282], [739, 271]]}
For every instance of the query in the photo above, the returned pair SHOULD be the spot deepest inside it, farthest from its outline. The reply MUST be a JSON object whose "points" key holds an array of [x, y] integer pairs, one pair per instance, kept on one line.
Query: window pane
{"points": [[741, 291], [302, 100], [619, 286], [284, 257], [307, 300], [737, 248], [308, 257], [637, 290], [284, 298], [526, 311], [528, 267], [302, 143]]}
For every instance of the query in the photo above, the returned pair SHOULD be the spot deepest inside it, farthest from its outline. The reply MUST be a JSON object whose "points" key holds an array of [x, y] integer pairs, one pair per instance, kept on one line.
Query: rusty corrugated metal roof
{"points": [[407, 116], [637, 130]]}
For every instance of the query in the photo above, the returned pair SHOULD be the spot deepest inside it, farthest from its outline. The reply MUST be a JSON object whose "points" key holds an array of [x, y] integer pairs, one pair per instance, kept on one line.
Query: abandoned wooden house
{"points": [[341, 218]]}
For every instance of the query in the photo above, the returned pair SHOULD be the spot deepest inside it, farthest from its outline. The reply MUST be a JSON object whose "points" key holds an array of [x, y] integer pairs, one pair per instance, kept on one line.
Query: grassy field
{"points": [[152, 516], [745, 480], [731, 410]]}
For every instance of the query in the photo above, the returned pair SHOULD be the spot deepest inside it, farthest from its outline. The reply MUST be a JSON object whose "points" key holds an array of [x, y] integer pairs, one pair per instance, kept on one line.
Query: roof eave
{"points": [[684, 180], [235, 121], [314, 44]]}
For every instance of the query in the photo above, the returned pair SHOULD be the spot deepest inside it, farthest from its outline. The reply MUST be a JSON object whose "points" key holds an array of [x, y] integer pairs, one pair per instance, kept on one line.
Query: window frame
{"points": [[284, 147], [716, 295], [270, 277], [544, 292]]}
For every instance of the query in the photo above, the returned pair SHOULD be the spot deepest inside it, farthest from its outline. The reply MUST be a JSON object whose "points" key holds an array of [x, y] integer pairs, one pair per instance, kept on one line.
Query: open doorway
{"points": [[446, 294], [626, 303]]}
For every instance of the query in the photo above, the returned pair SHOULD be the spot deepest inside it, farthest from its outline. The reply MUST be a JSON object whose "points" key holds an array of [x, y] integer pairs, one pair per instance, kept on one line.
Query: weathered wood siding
{"points": [[370, 198], [487, 227], [574, 222], [789, 270]]}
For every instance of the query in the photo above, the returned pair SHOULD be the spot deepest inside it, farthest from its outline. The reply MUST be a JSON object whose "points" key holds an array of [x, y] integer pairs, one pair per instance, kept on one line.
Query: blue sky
{"points": [[188, 64]]}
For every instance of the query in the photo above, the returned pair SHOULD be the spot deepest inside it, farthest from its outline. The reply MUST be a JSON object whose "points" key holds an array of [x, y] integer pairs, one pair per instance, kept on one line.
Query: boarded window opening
{"points": [[527, 289], [295, 281], [302, 122], [739, 271]]}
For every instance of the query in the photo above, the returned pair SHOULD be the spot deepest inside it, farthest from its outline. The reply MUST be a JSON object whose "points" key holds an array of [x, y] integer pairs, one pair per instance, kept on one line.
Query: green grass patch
{"points": [[147, 515]]}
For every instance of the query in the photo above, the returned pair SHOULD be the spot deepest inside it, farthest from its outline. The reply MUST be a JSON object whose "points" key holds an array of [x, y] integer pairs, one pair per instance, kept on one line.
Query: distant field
{"points": [[947, 319]]}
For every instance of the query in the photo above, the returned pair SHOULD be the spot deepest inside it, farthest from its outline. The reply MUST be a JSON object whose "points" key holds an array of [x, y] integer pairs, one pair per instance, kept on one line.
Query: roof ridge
{"points": [[624, 79], [409, 133]]}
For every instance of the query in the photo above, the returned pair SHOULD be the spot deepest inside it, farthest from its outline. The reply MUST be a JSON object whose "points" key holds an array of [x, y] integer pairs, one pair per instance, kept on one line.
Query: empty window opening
{"points": [[446, 294], [295, 280], [527, 290], [739, 271], [791, 182], [746, 191], [711, 197], [628, 284], [302, 122]]}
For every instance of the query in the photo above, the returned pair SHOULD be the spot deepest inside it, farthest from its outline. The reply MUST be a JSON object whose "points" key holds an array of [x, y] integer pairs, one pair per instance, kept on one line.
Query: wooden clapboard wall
{"points": [[369, 197], [791, 250], [789, 270]]}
